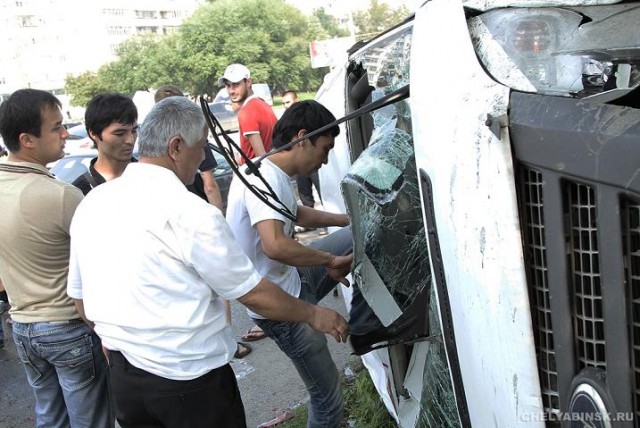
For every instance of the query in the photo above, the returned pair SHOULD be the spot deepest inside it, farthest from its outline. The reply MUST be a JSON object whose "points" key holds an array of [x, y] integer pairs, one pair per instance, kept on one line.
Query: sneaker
{"points": [[4, 307]]}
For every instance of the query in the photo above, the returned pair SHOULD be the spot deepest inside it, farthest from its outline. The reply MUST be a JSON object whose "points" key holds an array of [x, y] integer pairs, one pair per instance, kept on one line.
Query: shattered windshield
{"points": [[391, 226], [391, 253]]}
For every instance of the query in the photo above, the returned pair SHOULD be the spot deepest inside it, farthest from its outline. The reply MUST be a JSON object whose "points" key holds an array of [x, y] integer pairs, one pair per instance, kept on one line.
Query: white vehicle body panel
{"points": [[493, 4], [332, 95], [477, 218]]}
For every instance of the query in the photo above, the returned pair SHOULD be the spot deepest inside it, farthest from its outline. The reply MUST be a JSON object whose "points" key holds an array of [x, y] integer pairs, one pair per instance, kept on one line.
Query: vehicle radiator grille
{"points": [[581, 249], [583, 260], [536, 256], [630, 212], [578, 193]]}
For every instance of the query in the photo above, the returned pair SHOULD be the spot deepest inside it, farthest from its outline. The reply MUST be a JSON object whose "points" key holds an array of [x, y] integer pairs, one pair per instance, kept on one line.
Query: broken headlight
{"points": [[571, 52]]}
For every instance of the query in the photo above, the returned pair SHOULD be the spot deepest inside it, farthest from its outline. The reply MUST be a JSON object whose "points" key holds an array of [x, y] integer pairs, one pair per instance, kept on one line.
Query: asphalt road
{"points": [[267, 379]]}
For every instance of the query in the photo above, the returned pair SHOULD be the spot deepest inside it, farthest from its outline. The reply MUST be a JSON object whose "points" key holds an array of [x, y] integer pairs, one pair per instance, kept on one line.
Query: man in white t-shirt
{"points": [[150, 264], [306, 272]]}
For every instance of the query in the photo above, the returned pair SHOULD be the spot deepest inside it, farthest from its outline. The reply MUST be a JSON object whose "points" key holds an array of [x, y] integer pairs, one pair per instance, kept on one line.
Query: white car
{"points": [[78, 140], [498, 206], [3, 149]]}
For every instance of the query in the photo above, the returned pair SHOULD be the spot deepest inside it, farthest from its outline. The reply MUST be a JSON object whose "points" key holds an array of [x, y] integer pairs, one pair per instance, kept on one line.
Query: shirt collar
{"points": [[249, 99], [154, 173], [94, 172], [40, 168]]}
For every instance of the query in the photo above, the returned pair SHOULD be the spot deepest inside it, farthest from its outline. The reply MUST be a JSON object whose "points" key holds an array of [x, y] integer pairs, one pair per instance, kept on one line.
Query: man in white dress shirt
{"points": [[150, 265]]}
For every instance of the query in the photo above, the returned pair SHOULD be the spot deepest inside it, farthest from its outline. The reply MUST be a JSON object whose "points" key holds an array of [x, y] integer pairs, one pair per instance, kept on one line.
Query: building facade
{"points": [[43, 41]]}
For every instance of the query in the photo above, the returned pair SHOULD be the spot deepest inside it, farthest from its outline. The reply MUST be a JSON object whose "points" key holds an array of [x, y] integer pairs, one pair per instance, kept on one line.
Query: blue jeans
{"points": [[68, 373], [306, 347]]}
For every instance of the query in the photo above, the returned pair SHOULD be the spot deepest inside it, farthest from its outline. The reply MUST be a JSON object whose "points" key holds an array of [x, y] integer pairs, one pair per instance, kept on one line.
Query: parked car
{"points": [[69, 125], [227, 117], [3, 149], [498, 206], [74, 165], [78, 139]]}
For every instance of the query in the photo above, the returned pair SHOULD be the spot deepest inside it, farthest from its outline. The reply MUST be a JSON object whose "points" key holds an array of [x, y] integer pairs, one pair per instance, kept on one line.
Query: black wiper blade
{"points": [[266, 194]]}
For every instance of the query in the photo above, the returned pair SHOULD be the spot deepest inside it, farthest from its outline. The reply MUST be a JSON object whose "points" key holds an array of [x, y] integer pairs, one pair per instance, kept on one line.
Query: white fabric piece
{"points": [[245, 211]]}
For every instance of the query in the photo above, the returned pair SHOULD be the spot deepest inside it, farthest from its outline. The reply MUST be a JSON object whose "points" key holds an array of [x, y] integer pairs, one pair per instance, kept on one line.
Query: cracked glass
{"points": [[382, 196], [438, 402], [390, 220]]}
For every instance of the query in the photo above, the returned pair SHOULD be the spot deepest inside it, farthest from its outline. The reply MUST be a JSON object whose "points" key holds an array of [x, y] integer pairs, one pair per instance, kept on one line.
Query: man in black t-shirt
{"points": [[111, 120]]}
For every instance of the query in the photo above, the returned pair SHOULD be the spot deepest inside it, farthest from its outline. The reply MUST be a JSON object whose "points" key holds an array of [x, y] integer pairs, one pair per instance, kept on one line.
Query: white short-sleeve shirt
{"points": [[245, 210], [150, 260]]}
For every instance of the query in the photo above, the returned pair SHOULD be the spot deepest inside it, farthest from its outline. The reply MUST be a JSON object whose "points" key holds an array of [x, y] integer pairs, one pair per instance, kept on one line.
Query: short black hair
{"points": [[22, 112], [309, 115], [290, 91], [107, 108]]}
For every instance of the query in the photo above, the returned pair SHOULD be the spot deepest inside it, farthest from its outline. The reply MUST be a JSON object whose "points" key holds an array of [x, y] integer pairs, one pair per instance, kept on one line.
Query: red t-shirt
{"points": [[256, 116]]}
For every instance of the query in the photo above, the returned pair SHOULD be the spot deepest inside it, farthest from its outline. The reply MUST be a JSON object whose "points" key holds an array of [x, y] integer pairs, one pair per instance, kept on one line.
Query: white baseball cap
{"points": [[234, 74]]}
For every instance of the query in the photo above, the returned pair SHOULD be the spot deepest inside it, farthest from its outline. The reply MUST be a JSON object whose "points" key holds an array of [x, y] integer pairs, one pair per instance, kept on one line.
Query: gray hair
{"points": [[173, 116]]}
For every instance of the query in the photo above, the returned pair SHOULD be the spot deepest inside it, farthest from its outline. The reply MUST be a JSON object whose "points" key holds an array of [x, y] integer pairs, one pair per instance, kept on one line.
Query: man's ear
{"points": [[94, 138], [175, 148], [301, 133], [25, 140]]}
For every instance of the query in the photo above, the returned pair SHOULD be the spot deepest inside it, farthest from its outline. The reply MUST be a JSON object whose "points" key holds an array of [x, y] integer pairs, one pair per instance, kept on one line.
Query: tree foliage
{"points": [[377, 18], [270, 37], [330, 23], [83, 87]]}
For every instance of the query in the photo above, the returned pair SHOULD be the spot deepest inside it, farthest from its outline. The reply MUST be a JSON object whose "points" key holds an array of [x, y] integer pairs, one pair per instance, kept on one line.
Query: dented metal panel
{"points": [[579, 138], [484, 5], [477, 218]]}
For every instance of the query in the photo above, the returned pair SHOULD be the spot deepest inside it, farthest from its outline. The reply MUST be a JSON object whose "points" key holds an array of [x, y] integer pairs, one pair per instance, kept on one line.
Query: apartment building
{"points": [[42, 41]]}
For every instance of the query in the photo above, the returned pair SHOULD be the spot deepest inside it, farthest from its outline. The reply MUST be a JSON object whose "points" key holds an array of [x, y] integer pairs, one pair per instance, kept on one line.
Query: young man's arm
{"points": [[256, 143], [211, 189], [270, 301], [286, 250], [310, 217]]}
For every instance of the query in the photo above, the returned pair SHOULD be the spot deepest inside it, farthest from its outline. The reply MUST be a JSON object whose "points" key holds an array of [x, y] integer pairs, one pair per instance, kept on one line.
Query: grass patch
{"points": [[363, 406]]}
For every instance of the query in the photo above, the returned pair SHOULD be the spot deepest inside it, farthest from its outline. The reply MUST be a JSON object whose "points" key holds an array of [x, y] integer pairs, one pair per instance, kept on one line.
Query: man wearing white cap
{"points": [[256, 118]]}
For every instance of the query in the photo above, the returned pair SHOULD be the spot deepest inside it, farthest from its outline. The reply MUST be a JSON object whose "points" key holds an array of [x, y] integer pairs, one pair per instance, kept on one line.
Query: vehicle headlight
{"points": [[577, 52]]}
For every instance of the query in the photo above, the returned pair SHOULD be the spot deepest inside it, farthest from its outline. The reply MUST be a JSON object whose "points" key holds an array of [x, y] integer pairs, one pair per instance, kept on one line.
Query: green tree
{"points": [[268, 36], [330, 23], [377, 18], [143, 62], [83, 87]]}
